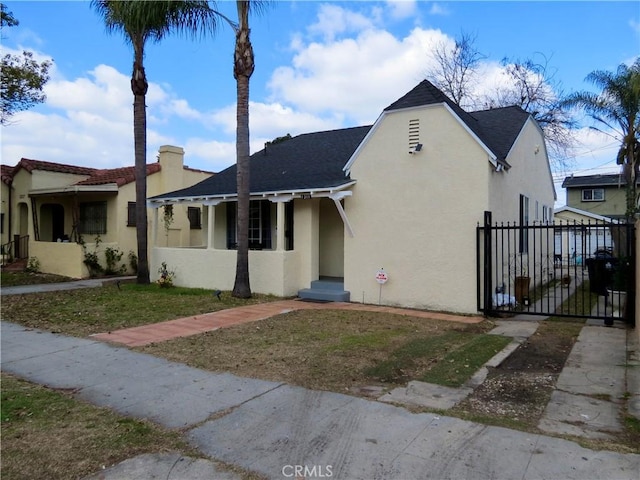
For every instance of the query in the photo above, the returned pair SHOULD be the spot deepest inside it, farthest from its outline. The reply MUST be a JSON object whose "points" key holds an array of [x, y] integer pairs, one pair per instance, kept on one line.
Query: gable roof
{"points": [[584, 213], [602, 180], [311, 161], [497, 128]]}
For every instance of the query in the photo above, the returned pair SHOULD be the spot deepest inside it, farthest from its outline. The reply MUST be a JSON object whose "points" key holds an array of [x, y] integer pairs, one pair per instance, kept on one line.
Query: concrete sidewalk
{"points": [[56, 287], [278, 430]]}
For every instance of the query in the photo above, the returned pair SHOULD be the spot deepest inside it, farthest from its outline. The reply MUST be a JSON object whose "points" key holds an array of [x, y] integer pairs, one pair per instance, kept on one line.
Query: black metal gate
{"points": [[565, 269]]}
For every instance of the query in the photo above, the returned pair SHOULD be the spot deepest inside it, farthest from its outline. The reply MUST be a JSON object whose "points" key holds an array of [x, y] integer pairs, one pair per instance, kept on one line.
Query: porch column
{"points": [[155, 226], [211, 220], [280, 200], [280, 227]]}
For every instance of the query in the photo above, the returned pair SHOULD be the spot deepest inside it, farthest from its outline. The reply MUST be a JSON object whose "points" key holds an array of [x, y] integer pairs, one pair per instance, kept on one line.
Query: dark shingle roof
{"points": [[308, 161], [611, 180], [497, 128]]}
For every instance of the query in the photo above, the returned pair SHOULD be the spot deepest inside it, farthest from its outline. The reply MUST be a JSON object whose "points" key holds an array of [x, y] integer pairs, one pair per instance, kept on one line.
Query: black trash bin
{"points": [[600, 273]]}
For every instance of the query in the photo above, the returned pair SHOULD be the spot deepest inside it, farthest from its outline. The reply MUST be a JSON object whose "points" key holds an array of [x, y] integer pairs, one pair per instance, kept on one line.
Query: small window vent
{"points": [[414, 134]]}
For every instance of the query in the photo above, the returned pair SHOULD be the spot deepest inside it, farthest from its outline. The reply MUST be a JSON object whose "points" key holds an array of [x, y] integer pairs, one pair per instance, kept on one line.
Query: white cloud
{"points": [[401, 9], [355, 77], [438, 9], [334, 20]]}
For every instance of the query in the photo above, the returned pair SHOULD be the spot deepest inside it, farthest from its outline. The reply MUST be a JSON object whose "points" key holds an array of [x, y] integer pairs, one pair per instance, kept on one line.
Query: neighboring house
{"points": [[59, 207], [600, 194], [404, 196], [585, 234], [5, 196]]}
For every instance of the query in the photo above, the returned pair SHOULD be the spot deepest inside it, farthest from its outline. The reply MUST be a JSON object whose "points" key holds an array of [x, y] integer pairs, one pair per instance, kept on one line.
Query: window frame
{"points": [[194, 214], [131, 214], [592, 195], [99, 212]]}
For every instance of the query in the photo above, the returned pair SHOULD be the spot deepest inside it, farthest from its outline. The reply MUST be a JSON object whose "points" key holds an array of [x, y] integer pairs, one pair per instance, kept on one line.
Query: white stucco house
{"points": [[404, 195]]}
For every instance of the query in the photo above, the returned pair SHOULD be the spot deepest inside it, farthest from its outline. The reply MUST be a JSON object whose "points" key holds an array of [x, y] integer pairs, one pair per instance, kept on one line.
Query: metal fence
{"points": [[16, 249], [567, 269]]}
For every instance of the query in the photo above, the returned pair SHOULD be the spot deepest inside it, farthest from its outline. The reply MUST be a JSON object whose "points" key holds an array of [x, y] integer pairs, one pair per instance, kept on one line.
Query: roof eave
{"points": [[74, 189], [275, 195]]}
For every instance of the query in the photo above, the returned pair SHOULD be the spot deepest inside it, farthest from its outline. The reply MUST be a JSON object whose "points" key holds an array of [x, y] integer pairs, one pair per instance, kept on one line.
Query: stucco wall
{"points": [[331, 241], [615, 201], [529, 175], [416, 215], [60, 258], [270, 272], [4, 209], [276, 272]]}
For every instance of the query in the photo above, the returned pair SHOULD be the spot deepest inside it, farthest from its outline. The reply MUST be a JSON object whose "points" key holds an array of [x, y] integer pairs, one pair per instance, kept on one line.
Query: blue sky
{"points": [[319, 65]]}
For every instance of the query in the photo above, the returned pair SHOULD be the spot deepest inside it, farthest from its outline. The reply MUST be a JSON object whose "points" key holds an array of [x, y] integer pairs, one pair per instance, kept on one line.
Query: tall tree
{"points": [[243, 67], [141, 21], [531, 85], [455, 68], [22, 79], [617, 108]]}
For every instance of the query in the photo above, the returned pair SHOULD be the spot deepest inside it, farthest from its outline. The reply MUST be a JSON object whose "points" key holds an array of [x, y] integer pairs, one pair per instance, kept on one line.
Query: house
{"points": [[603, 195], [61, 212], [400, 199], [585, 234]]}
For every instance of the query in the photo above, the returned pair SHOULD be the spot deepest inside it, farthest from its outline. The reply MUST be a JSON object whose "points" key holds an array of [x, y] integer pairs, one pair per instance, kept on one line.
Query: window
{"points": [[523, 246], [131, 214], [194, 218], [259, 225], [93, 218], [593, 195], [1, 222]]}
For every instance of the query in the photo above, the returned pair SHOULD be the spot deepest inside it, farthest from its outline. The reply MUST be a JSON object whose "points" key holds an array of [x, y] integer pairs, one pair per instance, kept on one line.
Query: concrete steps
{"points": [[327, 289]]}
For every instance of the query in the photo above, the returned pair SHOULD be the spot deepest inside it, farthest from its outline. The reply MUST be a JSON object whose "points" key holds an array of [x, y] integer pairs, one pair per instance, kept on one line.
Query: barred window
{"points": [[131, 214], [93, 218], [194, 218]]}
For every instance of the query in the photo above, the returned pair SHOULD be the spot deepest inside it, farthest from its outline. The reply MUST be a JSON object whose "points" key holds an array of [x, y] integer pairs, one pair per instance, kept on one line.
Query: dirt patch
{"points": [[519, 389]]}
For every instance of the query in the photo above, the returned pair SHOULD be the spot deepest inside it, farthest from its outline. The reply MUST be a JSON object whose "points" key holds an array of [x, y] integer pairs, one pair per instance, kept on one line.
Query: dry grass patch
{"points": [[318, 349], [46, 434], [95, 310]]}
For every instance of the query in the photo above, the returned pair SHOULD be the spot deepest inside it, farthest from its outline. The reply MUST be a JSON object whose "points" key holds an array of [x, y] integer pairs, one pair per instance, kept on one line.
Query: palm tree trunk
{"points": [[139, 87], [242, 70]]}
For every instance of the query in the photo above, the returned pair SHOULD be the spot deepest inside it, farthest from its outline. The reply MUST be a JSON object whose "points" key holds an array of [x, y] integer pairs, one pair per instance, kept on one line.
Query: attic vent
{"points": [[414, 134]]}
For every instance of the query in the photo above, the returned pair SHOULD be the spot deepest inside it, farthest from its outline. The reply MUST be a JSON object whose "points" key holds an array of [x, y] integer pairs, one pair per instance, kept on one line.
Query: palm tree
{"points": [[243, 67], [141, 21], [617, 107]]}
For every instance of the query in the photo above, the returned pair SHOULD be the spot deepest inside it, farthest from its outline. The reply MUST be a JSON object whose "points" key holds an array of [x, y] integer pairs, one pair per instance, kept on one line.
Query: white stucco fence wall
{"points": [[270, 272]]}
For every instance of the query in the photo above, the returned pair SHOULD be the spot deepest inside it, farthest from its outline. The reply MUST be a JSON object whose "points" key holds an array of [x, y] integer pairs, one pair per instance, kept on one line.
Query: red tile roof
{"points": [[30, 165], [119, 176], [6, 172]]}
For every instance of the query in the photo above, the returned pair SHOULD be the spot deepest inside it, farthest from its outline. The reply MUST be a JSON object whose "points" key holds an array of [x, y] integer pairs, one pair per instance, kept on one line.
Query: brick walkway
{"points": [[207, 322]]}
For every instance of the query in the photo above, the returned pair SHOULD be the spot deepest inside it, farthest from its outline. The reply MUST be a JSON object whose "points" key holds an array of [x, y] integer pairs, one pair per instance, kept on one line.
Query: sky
{"points": [[320, 65]]}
